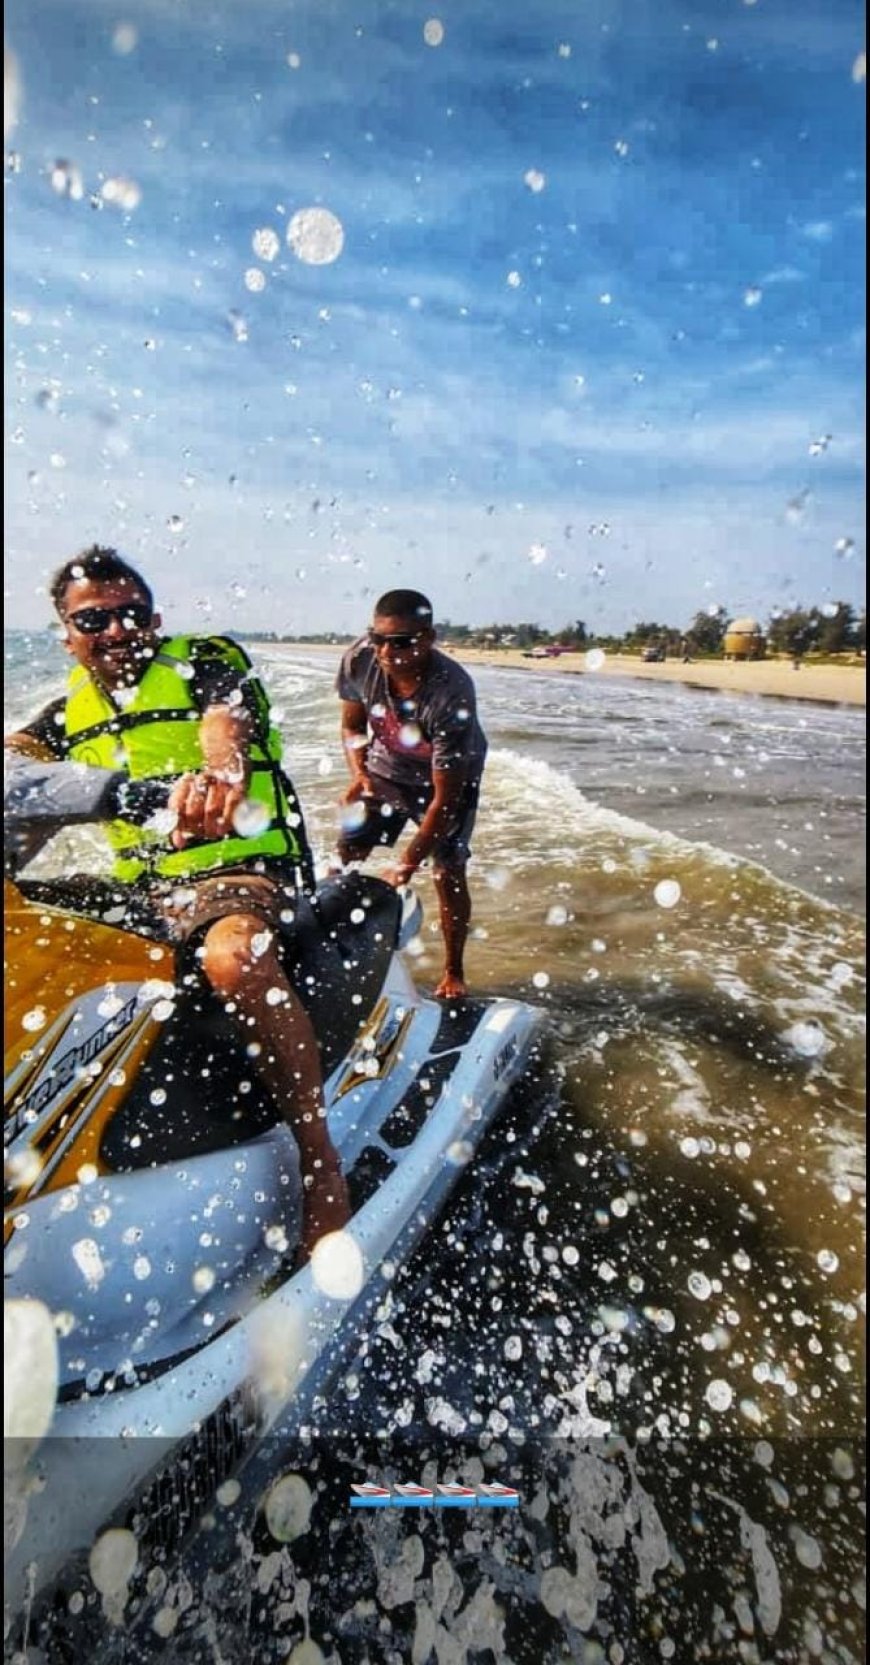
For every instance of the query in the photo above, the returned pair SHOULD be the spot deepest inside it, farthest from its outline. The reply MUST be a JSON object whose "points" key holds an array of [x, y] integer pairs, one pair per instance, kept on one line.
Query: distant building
{"points": [[744, 639]]}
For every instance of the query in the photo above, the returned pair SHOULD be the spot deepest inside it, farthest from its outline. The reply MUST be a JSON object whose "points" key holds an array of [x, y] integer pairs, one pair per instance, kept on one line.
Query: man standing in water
{"points": [[191, 709], [416, 753]]}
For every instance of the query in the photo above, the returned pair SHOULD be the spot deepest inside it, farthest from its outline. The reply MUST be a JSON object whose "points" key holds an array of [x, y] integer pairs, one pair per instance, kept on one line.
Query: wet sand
{"points": [[829, 684]]}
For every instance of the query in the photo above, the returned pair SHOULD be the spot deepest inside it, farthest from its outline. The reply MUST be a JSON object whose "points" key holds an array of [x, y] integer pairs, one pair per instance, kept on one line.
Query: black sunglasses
{"points": [[400, 640], [92, 621]]}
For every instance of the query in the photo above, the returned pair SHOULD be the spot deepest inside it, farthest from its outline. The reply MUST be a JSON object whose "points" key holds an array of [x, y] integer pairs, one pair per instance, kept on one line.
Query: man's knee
{"points": [[229, 950]]}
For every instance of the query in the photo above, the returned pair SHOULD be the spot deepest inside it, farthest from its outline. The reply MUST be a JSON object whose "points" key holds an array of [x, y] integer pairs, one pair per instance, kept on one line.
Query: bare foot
{"points": [[451, 988], [326, 1207]]}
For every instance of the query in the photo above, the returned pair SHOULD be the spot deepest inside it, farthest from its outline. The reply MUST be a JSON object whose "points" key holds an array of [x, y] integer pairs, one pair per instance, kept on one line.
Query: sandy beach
{"points": [[777, 678], [830, 684]]}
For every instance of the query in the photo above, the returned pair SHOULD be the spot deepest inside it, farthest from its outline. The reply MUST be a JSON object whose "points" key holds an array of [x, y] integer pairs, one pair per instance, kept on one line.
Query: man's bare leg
{"points": [[454, 904], [287, 1062]]}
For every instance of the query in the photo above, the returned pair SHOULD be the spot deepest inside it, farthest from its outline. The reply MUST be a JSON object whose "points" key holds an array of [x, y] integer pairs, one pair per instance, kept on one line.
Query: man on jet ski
{"points": [[225, 861], [416, 752]]}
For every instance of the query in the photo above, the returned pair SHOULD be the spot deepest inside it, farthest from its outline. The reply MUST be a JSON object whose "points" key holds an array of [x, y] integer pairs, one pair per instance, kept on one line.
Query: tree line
{"points": [[832, 628], [835, 627]]}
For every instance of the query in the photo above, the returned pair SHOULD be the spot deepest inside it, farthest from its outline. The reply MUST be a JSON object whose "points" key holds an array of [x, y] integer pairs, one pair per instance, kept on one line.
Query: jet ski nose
{"points": [[411, 918]]}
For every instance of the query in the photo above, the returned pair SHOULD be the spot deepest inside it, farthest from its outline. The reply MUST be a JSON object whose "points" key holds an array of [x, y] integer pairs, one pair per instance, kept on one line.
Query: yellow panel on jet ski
{"points": [[51, 958], [53, 961]]}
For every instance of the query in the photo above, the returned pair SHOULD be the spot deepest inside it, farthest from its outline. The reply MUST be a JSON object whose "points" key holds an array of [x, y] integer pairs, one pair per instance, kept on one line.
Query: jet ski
{"points": [[152, 1203]]}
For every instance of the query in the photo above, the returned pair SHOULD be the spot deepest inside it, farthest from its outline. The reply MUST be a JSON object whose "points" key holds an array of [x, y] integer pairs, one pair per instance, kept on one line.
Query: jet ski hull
{"points": [[192, 1394]]}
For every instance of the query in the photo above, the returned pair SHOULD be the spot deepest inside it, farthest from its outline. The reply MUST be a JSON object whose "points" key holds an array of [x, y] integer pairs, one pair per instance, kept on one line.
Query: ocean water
{"points": [[647, 1299]]}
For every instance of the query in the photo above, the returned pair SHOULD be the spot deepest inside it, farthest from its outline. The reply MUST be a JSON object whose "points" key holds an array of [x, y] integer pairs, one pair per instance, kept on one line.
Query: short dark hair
{"points": [[404, 604], [103, 566]]}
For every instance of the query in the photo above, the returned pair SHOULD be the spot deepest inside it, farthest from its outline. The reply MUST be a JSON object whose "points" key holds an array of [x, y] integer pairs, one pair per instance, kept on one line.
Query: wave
{"points": [[579, 829]]}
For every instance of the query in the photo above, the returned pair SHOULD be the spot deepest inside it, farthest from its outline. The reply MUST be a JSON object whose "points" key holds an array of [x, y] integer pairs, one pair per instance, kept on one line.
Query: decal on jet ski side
{"points": [[60, 1109], [61, 1075], [377, 1049], [503, 1059], [175, 1497]]}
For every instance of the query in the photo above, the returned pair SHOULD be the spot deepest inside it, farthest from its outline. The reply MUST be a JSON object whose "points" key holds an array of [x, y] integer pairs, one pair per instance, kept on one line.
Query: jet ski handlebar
{"points": [[75, 792], [40, 799]]}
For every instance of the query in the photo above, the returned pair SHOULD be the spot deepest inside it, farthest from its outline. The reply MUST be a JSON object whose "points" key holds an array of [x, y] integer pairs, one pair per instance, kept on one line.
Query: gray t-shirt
{"points": [[437, 728]]}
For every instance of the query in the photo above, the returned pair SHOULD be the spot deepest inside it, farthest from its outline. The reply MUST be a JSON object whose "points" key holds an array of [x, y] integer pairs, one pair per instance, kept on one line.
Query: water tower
{"points": [[744, 639]]}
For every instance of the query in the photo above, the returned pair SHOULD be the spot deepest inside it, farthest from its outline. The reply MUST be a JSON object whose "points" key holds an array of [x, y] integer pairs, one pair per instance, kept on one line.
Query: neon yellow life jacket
{"points": [[156, 734]]}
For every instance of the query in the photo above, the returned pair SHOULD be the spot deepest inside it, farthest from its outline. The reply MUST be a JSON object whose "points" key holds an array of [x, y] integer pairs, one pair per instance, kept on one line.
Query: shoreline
{"points": [[767, 678]]}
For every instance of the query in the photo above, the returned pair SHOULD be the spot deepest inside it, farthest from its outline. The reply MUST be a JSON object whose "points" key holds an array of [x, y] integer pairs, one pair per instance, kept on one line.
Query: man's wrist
{"points": [[227, 774], [138, 800]]}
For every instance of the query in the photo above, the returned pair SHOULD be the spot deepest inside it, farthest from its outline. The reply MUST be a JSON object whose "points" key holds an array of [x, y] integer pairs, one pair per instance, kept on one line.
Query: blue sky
{"points": [[593, 346]]}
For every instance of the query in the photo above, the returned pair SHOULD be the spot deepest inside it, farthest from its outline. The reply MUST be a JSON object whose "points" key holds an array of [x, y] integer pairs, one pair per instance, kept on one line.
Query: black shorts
{"points": [[383, 817], [266, 891]]}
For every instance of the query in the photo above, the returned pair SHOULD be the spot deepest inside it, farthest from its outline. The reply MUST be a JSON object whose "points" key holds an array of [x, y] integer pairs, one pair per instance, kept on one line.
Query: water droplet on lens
{"points": [[796, 506], [122, 193], [251, 819], [125, 39], [266, 243], [66, 181], [808, 1039], [719, 1395], [316, 236]]}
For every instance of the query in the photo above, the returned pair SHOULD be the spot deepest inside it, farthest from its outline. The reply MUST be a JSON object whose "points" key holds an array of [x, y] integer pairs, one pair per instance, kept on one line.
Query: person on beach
{"points": [[231, 855], [416, 752]]}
